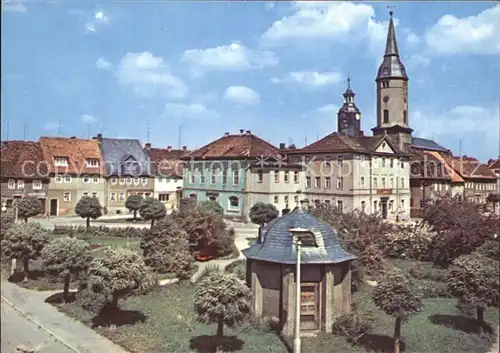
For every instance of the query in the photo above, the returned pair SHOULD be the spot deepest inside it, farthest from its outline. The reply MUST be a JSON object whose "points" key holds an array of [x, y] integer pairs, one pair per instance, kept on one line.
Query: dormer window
{"points": [[61, 161], [92, 163]]}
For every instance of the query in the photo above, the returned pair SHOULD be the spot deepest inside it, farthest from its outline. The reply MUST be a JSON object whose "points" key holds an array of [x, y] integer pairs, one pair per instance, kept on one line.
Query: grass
{"points": [[167, 324]]}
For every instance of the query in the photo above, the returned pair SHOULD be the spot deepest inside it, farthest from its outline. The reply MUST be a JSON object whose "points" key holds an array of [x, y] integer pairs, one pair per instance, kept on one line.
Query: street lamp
{"points": [[4, 207], [301, 237]]}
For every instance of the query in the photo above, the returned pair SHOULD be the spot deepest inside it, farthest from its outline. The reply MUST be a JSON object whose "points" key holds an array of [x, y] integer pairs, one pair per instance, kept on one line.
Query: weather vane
{"points": [[390, 7]]}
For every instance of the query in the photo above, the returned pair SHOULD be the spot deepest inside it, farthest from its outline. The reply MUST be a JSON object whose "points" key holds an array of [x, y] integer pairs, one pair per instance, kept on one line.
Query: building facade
{"points": [[23, 172]]}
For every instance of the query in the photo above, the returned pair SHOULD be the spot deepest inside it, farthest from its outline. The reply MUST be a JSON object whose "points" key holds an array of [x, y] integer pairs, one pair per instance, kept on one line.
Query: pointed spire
{"points": [[391, 46], [349, 80], [349, 91]]}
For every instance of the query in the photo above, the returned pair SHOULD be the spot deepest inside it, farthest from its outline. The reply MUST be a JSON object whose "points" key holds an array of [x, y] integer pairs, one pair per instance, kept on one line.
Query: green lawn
{"points": [[167, 324]]}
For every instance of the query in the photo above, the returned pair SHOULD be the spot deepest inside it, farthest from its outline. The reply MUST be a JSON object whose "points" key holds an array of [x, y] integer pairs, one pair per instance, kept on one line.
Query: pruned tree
{"points": [[133, 204], [65, 258], [24, 241], [397, 296], [262, 213], [118, 273], [223, 299], [166, 249], [88, 207], [152, 210], [29, 206], [211, 206], [475, 280], [6, 221], [186, 203]]}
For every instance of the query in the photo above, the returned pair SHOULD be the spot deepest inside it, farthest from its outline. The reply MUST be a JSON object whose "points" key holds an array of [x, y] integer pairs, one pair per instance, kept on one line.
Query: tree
{"points": [[118, 273], [186, 203], [29, 206], [24, 241], [152, 210], [133, 203], [6, 221], [397, 296], [262, 213], [222, 298], [89, 207], [166, 249], [66, 258], [475, 280], [211, 206]]}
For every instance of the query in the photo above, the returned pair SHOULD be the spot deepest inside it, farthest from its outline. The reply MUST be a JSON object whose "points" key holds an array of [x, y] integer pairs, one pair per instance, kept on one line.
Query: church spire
{"points": [[391, 66]]}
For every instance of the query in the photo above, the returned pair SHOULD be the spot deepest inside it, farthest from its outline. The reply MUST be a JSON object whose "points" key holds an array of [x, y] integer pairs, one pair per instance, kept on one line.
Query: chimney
{"points": [[147, 146], [242, 131], [249, 132], [282, 146], [226, 134], [184, 148], [169, 148], [99, 137]]}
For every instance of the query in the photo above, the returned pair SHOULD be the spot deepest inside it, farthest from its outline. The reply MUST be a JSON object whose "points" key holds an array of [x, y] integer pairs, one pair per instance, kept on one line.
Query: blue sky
{"points": [[278, 69]]}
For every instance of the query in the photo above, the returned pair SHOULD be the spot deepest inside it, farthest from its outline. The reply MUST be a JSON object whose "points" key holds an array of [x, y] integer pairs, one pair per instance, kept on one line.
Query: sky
{"points": [[190, 71]]}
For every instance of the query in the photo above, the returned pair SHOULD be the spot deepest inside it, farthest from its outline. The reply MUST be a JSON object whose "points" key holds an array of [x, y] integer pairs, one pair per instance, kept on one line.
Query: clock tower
{"points": [[349, 116]]}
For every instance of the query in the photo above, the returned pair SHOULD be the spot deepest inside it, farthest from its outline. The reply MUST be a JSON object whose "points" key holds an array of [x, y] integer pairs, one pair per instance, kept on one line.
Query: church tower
{"points": [[349, 116], [392, 95]]}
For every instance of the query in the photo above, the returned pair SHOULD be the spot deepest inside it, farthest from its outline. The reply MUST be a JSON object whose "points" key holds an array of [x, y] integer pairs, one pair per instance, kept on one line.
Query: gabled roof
{"points": [[426, 144], [424, 165], [22, 159], [76, 150], [455, 177], [470, 167], [124, 157], [166, 162], [494, 164], [242, 146]]}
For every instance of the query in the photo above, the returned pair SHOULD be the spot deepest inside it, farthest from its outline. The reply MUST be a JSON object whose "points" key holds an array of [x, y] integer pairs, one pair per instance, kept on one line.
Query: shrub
{"points": [[29, 206], [209, 270], [88, 207], [238, 268], [433, 289], [6, 221], [262, 213], [372, 260], [353, 325], [133, 203], [166, 249], [413, 242], [428, 272], [152, 210], [81, 231], [87, 299], [490, 249], [211, 206]]}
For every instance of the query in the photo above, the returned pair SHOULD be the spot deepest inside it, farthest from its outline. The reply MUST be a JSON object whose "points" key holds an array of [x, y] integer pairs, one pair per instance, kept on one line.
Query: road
{"points": [[17, 330]]}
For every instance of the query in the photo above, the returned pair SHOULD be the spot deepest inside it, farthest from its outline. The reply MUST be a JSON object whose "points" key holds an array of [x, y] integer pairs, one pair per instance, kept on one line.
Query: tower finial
{"points": [[349, 80]]}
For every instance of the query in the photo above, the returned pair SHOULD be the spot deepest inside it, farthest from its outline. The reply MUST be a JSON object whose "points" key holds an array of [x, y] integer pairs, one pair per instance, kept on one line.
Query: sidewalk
{"points": [[74, 335]]}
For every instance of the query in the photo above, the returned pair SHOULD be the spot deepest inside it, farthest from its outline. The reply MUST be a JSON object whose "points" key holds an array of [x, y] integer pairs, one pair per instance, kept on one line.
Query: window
{"points": [[236, 178], [61, 161], [363, 206], [67, 196], [163, 197], [362, 182], [121, 196], [405, 116], [20, 184], [340, 205], [193, 177], [160, 179], [374, 206], [403, 204], [276, 199], [385, 84], [340, 161], [95, 180], [92, 163], [58, 179], [234, 203], [286, 177], [12, 184], [147, 194], [37, 184], [391, 162], [286, 200], [113, 181], [328, 183], [202, 177], [327, 202], [340, 183], [295, 199], [121, 181], [94, 194], [85, 194], [213, 176], [402, 165], [296, 177], [374, 183], [86, 179], [392, 182], [260, 176], [386, 116], [328, 161], [67, 179], [224, 177], [276, 176], [383, 183], [144, 181], [136, 181], [128, 181], [383, 162], [308, 182], [317, 182], [402, 182], [112, 196]]}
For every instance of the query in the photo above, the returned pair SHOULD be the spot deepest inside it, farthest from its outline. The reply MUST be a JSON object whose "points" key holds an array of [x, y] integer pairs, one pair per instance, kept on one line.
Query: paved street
{"points": [[17, 330]]}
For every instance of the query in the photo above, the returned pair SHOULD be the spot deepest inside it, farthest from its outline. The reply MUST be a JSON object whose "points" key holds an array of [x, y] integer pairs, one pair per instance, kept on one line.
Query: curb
{"points": [[40, 326]]}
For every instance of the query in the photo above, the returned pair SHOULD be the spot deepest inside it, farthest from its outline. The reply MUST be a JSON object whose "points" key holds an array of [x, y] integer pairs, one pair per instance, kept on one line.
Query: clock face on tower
{"points": [[358, 116]]}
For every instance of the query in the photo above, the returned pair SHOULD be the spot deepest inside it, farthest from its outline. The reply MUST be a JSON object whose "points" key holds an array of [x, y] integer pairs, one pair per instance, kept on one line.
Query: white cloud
{"points": [[189, 111], [88, 119], [103, 64], [341, 21], [148, 75], [233, 57], [13, 6], [98, 20], [310, 78], [242, 95], [474, 34], [412, 40], [418, 60]]}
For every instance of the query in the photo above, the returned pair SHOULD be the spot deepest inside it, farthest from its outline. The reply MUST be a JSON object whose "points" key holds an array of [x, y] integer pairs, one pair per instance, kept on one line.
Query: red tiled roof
{"points": [[241, 146], [470, 167], [77, 151], [436, 168], [455, 177], [494, 164], [167, 162], [22, 159]]}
